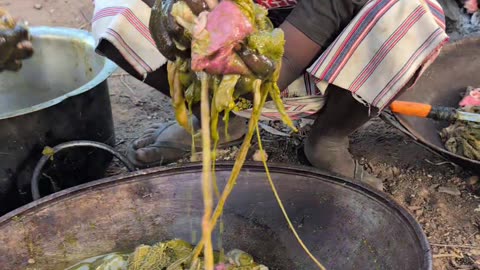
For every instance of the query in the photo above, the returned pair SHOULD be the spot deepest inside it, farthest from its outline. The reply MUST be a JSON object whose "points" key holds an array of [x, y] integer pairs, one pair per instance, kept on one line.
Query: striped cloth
{"points": [[124, 23], [302, 99], [382, 49], [374, 57]]}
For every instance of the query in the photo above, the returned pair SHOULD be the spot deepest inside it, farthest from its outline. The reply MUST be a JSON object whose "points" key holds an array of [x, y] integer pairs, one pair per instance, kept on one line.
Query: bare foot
{"points": [[168, 142]]}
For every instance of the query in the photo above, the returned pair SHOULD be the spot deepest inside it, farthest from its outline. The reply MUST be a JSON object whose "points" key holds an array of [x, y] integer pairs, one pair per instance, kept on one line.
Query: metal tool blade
{"points": [[467, 116]]}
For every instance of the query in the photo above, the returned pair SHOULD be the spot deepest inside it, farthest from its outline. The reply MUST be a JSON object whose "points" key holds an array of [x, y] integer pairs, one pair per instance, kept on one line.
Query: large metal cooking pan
{"points": [[60, 95], [442, 84], [347, 226]]}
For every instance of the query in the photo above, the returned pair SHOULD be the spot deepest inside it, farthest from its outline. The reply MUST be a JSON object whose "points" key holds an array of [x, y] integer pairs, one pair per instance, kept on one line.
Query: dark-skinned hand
{"points": [[15, 44]]}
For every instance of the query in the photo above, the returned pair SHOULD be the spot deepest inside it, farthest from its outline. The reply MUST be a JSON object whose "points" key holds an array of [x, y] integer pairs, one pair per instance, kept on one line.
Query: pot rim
{"points": [[109, 182], [108, 68], [412, 132]]}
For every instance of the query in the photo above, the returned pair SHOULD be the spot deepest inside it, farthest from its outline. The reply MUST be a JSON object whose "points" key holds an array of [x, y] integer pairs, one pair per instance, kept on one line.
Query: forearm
{"points": [[300, 52], [288, 74]]}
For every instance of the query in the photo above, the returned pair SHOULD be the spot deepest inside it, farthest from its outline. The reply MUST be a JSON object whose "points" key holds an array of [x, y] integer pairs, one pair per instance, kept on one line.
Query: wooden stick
{"points": [[439, 256], [119, 74], [456, 246]]}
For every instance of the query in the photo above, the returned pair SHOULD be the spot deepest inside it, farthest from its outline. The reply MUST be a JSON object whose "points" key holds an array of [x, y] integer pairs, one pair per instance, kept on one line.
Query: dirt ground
{"points": [[441, 196]]}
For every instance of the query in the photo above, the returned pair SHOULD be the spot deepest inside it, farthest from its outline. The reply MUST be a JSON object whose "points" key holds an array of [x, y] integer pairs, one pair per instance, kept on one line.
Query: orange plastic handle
{"points": [[411, 108]]}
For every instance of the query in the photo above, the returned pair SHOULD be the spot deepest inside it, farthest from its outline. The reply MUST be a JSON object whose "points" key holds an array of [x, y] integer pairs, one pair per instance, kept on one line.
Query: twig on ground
{"points": [[86, 19], [456, 246], [121, 74], [120, 142], [448, 255], [84, 25], [440, 163], [135, 99]]}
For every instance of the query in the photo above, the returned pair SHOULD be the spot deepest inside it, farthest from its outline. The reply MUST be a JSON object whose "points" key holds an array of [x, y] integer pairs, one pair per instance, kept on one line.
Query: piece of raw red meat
{"points": [[472, 98], [227, 27]]}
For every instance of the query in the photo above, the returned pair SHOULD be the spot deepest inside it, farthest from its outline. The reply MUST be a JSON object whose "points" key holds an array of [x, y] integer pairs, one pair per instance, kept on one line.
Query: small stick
{"points": [[119, 74], [84, 25], [440, 163], [85, 17], [135, 100], [87, 20], [438, 256], [456, 246]]}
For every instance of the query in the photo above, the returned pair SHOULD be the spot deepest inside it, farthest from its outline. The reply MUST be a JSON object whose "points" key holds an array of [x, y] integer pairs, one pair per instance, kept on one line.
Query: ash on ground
{"points": [[460, 24]]}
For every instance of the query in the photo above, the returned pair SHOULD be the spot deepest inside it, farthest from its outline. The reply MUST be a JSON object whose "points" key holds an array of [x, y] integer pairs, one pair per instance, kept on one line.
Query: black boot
{"points": [[327, 144]]}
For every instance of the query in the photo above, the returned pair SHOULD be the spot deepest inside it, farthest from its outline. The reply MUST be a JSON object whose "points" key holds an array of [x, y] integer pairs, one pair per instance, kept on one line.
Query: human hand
{"points": [[15, 44]]}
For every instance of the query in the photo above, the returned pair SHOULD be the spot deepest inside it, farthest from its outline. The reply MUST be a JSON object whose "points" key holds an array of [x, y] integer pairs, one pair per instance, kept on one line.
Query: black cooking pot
{"points": [[344, 224], [60, 95]]}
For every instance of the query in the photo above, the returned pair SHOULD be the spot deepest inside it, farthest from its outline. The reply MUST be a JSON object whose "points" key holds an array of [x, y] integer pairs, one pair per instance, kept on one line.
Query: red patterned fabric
{"points": [[276, 3]]}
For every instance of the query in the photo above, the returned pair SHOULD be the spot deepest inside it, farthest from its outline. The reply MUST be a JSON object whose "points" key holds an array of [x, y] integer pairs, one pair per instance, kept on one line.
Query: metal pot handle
{"points": [[41, 163]]}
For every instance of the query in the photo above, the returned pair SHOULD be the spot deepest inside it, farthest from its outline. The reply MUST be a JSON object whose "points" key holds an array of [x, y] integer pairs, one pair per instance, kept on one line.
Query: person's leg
{"points": [[164, 143], [157, 79], [327, 146]]}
